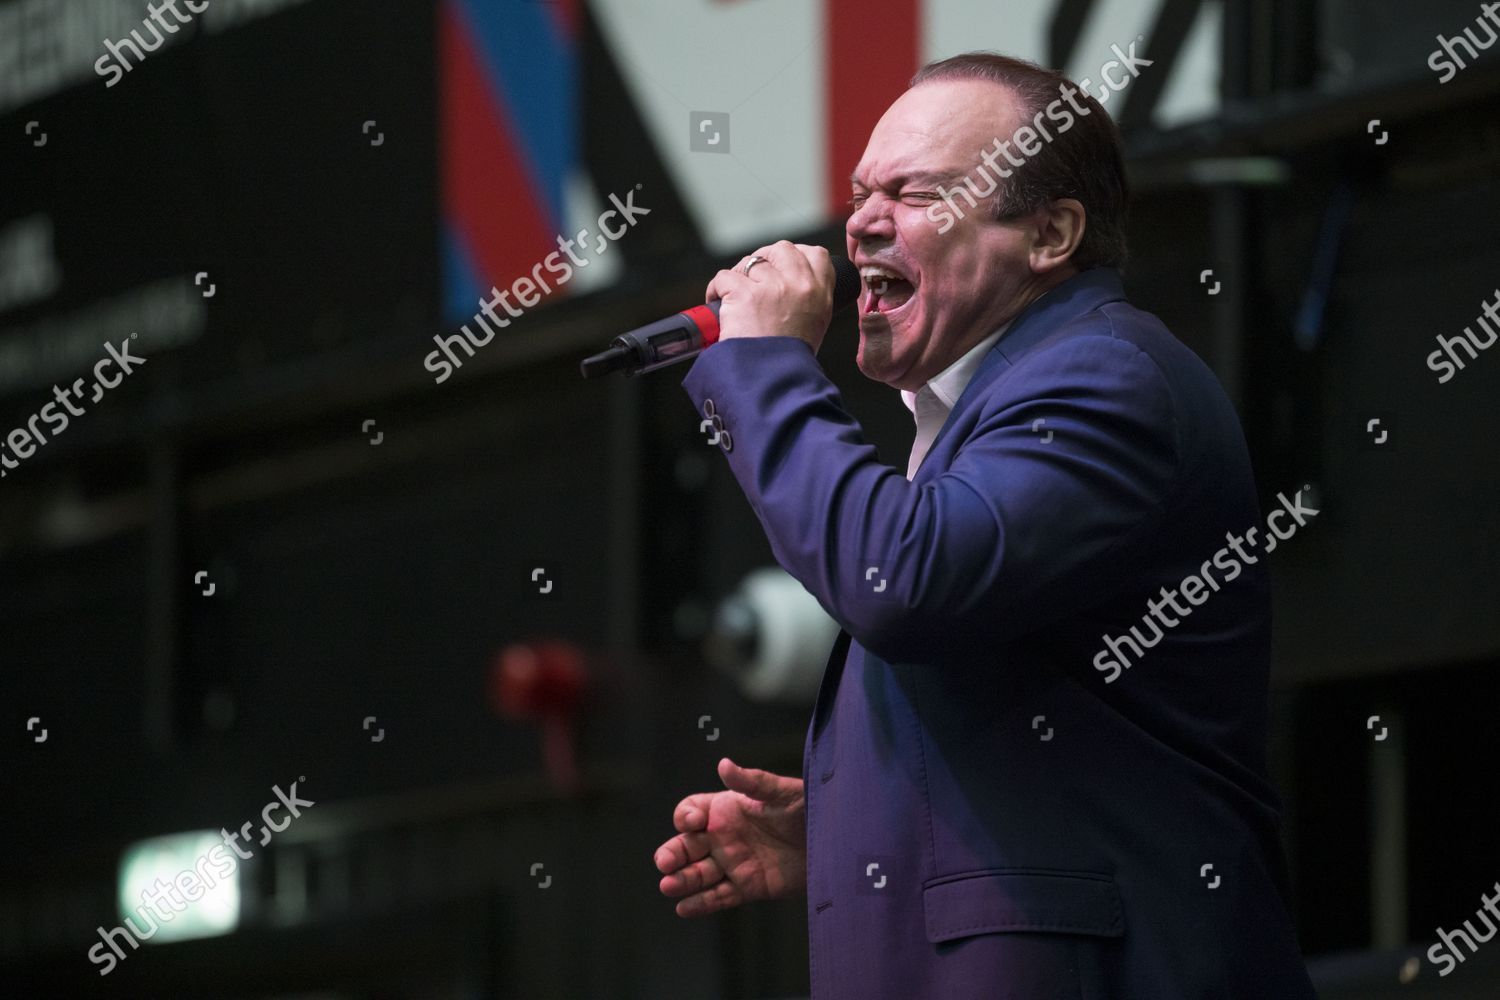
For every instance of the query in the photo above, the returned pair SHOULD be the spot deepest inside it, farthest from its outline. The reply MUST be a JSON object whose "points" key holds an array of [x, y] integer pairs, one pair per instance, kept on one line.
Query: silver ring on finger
{"points": [[755, 258]]}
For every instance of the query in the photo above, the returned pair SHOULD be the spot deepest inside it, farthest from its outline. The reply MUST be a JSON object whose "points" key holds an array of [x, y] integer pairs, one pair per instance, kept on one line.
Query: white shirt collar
{"points": [[931, 404], [947, 385]]}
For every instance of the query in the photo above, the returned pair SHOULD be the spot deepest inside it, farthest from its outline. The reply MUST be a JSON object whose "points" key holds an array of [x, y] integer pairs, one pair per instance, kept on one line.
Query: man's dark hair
{"points": [[1084, 162]]}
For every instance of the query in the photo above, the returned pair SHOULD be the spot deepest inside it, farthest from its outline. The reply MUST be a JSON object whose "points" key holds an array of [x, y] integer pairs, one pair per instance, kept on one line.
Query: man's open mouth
{"points": [[885, 290]]}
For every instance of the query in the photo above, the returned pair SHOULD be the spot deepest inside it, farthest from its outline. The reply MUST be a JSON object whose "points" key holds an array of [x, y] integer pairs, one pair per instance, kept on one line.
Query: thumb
{"points": [[760, 785]]}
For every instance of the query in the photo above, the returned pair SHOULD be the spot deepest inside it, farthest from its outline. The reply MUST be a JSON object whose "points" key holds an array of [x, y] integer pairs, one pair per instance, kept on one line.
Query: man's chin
{"points": [[874, 358], [864, 359], [878, 349]]}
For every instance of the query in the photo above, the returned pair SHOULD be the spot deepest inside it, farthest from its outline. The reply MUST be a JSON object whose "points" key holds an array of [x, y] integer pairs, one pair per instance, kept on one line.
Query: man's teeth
{"points": [[879, 279]]}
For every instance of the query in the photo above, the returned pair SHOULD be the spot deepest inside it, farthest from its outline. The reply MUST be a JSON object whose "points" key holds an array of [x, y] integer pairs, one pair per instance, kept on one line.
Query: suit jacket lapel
{"points": [[1080, 294]]}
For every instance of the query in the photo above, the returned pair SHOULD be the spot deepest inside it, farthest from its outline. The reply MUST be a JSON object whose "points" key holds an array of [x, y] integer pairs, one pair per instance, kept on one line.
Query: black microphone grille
{"points": [[845, 282]]}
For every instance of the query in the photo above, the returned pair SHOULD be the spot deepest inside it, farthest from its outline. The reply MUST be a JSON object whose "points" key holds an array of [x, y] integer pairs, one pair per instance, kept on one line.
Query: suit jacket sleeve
{"points": [[1018, 532]]}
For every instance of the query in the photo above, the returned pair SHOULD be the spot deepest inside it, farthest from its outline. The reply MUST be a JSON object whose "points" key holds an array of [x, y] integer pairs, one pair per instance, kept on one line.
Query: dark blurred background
{"points": [[280, 551]]}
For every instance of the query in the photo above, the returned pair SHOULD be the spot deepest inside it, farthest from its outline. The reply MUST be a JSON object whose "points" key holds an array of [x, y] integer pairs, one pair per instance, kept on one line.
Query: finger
{"points": [[760, 785], [724, 284], [682, 849], [762, 267], [694, 878], [691, 813], [821, 262], [787, 259], [738, 271], [721, 897]]}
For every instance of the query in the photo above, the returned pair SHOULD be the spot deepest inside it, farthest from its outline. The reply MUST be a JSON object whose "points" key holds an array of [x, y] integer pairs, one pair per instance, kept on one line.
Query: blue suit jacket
{"points": [[986, 815]]}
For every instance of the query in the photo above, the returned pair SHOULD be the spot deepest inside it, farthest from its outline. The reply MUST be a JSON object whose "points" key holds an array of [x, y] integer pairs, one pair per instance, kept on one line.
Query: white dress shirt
{"points": [[932, 403]]}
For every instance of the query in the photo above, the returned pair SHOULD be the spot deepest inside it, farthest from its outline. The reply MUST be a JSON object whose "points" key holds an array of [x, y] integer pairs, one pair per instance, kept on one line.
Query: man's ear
{"points": [[1059, 229]]}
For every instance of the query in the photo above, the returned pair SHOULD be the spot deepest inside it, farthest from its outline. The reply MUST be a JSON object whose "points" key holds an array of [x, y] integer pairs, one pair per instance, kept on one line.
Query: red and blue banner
{"points": [[509, 138]]}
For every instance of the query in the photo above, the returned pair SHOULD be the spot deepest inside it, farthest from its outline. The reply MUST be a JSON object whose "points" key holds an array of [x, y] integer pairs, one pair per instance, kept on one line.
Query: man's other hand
{"points": [[736, 846]]}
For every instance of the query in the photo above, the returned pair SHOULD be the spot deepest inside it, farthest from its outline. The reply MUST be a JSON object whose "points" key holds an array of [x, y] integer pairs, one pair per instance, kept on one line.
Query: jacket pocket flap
{"points": [[986, 901]]}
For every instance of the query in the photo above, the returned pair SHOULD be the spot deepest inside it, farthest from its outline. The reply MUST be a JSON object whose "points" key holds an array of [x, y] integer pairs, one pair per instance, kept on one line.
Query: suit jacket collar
{"points": [[1079, 295], [949, 384]]}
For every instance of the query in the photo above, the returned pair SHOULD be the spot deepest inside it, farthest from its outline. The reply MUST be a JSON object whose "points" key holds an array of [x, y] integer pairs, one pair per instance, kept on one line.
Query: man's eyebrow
{"points": [[916, 176]]}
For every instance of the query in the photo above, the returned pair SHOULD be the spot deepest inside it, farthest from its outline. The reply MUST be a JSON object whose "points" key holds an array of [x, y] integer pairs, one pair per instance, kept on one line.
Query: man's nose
{"points": [[872, 220]]}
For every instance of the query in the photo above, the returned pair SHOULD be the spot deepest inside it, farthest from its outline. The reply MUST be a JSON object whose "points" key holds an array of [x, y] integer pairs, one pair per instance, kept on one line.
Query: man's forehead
{"points": [[935, 131]]}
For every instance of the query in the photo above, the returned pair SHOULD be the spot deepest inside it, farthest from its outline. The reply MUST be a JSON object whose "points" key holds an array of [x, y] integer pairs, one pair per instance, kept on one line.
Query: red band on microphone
{"points": [[706, 322]]}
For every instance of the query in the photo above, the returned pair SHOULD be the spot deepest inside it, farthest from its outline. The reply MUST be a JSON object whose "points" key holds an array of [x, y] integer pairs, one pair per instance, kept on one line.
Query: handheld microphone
{"points": [[685, 335]]}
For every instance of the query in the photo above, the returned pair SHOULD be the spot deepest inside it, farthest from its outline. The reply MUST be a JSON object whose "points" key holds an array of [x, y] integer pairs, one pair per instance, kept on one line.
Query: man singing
{"points": [[991, 805]]}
